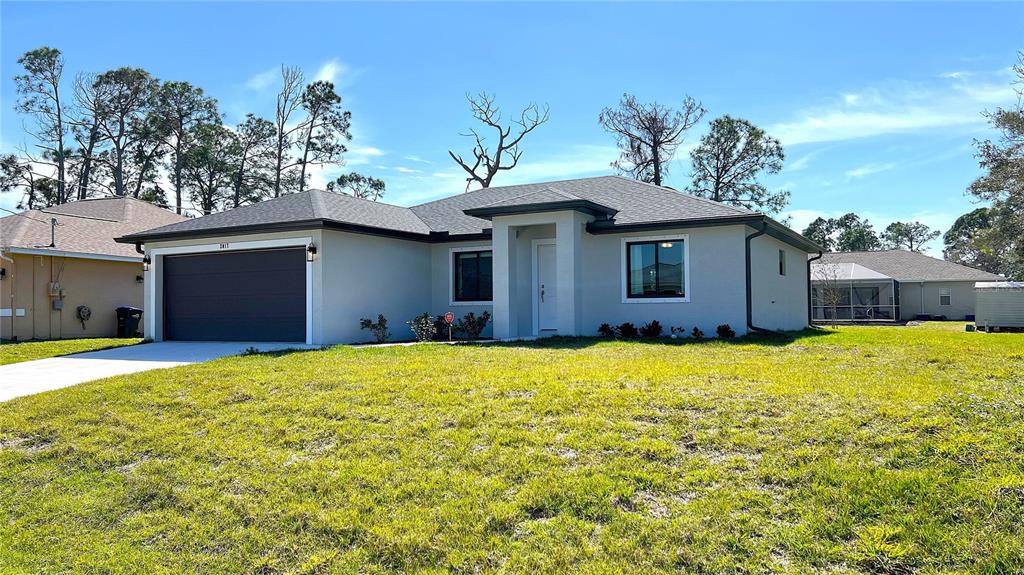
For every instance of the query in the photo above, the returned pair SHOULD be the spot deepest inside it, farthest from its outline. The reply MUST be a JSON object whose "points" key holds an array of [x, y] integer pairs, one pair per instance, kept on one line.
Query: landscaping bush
{"points": [[441, 329], [725, 331], [651, 329], [422, 326], [379, 330], [697, 333], [627, 330], [678, 331], [606, 330], [471, 325]]}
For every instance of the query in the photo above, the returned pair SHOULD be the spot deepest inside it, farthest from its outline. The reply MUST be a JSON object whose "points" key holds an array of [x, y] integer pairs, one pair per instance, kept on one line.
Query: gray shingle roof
{"points": [[85, 226], [635, 203], [308, 206], [906, 266]]}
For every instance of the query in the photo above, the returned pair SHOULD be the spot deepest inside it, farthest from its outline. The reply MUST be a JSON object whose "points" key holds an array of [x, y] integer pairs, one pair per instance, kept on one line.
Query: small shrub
{"points": [[471, 325], [606, 330], [697, 333], [441, 332], [651, 329], [627, 330], [678, 331], [379, 330], [250, 351], [422, 326], [724, 331]]}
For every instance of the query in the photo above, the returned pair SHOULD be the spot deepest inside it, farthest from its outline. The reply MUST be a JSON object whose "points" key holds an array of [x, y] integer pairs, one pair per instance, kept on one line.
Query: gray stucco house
{"points": [[895, 285], [548, 258]]}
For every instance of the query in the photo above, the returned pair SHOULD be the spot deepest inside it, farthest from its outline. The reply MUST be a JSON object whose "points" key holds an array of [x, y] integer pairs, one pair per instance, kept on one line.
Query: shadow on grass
{"points": [[566, 342]]}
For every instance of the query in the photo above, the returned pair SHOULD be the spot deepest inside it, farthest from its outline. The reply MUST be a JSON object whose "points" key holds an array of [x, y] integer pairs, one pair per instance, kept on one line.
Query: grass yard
{"points": [[14, 352], [867, 450]]}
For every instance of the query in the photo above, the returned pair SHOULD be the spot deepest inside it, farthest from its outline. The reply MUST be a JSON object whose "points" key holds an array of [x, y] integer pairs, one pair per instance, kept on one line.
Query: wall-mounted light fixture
{"points": [[310, 253], [146, 261]]}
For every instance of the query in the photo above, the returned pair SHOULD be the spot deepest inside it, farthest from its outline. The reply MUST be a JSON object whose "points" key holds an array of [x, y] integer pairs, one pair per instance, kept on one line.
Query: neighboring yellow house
{"points": [[55, 260]]}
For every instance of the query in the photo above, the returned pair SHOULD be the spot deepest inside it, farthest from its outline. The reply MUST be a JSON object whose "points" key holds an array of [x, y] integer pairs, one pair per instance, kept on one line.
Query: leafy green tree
{"points": [[358, 185], [124, 98], [254, 160], [971, 242], [909, 235], [208, 166], [16, 175], [39, 96], [85, 128], [856, 234], [729, 160], [648, 135], [179, 107], [820, 231], [1003, 182], [324, 130]]}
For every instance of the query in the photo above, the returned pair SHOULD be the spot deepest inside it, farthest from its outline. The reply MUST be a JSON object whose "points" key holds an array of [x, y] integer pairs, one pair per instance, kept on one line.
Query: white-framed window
{"points": [[945, 296], [656, 269], [782, 262], [471, 275]]}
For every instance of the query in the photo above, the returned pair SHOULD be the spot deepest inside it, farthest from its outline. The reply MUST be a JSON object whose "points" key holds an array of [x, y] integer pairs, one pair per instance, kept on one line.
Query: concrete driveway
{"points": [[29, 377]]}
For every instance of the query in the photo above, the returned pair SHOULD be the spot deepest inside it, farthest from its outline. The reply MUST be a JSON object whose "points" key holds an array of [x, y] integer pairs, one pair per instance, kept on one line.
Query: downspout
{"points": [[810, 301], [138, 248], [750, 302]]}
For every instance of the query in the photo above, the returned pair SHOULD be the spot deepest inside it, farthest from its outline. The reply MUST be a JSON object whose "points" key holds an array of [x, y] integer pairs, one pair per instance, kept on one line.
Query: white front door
{"points": [[546, 287]]}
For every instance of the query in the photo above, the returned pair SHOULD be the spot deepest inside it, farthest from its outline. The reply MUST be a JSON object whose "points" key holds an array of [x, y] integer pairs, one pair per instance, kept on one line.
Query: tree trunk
{"points": [[656, 161], [61, 191], [277, 171], [83, 180], [305, 151], [177, 174]]}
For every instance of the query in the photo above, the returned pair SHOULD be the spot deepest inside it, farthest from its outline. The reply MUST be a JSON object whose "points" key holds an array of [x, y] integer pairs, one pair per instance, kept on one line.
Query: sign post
{"points": [[449, 317]]}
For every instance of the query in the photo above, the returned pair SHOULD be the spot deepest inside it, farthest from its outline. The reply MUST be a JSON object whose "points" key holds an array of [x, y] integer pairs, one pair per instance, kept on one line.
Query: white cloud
{"points": [[333, 70], [262, 80], [800, 163], [415, 158], [406, 170], [868, 169], [956, 100]]}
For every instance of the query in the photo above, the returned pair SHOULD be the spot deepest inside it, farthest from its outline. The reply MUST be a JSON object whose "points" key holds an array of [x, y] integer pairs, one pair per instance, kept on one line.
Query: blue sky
{"points": [[876, 104]]}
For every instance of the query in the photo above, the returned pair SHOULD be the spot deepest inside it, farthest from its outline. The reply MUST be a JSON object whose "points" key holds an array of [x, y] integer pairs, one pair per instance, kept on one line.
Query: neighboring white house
{"points": [[549, 258], [894, 285]]}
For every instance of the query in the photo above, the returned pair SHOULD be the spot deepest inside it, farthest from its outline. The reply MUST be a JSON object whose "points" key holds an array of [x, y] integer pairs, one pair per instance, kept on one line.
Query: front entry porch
{"points": [[537, 278]]}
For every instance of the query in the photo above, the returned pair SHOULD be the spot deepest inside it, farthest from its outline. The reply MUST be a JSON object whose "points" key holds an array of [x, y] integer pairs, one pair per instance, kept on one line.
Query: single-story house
{"points": [[544, 259], [893, 285], [55, 260]]}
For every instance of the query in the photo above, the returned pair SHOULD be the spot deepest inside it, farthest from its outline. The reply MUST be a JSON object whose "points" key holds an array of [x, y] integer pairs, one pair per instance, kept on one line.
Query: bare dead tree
{"points": [[485, 163], [648, 135], [288, 100], [830, 292]]}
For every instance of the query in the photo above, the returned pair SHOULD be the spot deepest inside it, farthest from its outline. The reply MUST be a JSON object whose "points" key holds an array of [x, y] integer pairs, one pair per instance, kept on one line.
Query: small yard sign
{"points": [[449, 317]]}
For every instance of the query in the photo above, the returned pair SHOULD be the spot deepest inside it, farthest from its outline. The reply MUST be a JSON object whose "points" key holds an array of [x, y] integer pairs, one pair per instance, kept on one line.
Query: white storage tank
{"points": [[999, 306]]}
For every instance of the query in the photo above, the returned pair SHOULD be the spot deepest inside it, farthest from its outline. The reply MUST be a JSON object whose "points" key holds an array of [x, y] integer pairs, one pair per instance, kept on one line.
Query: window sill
{"points": [[657, 300]]}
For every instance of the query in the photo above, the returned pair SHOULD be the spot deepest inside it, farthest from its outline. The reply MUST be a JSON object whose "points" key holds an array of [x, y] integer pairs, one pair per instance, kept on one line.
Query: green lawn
{"points": [[867, 450], [13, 352]]}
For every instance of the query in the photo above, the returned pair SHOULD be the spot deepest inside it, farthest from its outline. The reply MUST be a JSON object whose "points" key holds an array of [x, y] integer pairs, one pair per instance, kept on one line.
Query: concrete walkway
{"points": [[30, 377]]}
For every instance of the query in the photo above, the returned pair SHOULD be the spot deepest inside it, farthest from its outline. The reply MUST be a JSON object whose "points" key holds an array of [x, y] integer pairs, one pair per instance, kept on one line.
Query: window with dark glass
{"points": [[655, 269], [782, 262], [472, 281]]}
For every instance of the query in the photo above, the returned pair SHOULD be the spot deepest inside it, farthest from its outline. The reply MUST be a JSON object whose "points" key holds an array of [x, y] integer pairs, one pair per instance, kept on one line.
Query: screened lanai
{"points": [[851, 292]]}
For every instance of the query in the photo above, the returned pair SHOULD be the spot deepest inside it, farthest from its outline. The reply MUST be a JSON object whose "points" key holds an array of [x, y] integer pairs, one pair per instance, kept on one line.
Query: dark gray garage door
{"points": [[236, 296]]}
